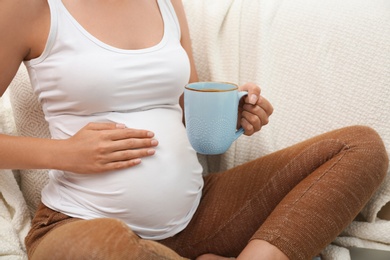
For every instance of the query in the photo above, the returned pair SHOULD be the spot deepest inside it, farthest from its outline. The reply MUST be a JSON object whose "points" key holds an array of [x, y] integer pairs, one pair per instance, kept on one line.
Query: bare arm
{"points": [[98, 147], [186, 43], [17, 17], [14, 44]]}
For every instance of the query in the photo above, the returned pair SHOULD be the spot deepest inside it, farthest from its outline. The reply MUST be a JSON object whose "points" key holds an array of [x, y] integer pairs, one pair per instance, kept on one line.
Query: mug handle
{"points": [[240, 131]]}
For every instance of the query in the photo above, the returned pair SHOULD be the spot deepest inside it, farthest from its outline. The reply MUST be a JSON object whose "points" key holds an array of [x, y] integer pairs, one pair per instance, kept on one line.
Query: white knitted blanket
{"points": [[14, 215]]}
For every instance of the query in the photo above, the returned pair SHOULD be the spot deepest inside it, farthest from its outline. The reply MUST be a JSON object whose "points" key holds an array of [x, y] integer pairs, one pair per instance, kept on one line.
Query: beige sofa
{"points": [[323, 65]]}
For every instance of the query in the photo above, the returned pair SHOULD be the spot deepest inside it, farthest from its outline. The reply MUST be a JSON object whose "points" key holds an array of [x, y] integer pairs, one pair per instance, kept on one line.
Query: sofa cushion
{"points": [[29, 121], [322, 64]]}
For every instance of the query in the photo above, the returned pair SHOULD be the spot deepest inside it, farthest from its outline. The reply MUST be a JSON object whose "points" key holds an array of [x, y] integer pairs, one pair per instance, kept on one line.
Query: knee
{"points": [[370, 148], [372, 142], [88, 239], [103, 238]]}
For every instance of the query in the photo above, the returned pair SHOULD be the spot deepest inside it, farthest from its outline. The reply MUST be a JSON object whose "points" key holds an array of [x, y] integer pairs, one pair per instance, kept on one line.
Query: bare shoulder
{"points": [[21, 19], [179, 9], [185, 36], [177, 3], [23, 26]]}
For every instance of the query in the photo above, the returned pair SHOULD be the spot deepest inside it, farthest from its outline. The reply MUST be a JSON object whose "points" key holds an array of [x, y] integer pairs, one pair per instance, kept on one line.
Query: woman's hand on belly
{"points": [[102, 147]]}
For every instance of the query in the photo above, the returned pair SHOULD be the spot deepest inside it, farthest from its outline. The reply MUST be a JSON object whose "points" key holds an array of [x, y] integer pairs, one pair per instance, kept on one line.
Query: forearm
{"points": [[29, 153]]}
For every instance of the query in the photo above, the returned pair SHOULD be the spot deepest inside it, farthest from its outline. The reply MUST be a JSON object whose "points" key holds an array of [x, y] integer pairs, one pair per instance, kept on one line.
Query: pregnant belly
{"points": [[154, 198]]}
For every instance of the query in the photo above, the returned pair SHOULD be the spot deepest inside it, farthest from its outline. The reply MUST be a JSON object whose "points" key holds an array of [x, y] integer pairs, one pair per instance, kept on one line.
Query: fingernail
{"points": [[150, 134], [120, 126], [154, 142], [253, 99], [151, 151], [137, 161]]}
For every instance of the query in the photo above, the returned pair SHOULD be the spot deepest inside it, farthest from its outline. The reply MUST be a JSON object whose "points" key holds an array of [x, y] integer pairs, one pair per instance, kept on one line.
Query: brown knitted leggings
{"points": [[298, 199]]}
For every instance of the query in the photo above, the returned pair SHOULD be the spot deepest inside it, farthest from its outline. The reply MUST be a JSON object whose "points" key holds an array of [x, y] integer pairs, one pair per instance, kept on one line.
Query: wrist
{"points": [[55, 155]]}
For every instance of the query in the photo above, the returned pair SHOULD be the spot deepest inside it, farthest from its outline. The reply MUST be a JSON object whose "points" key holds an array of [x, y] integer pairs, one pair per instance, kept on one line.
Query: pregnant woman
{"points": [[124, 180]]}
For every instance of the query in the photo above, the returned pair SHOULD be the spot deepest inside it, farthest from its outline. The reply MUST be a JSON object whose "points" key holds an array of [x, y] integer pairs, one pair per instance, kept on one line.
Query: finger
{"points": [[248, 127], [104, 126], [265, 105], [121, 131], [129, 155], [253, 92], [133, 143], [255, 112], [105, 149], [127, 133], [121, 164], [253, 120]]}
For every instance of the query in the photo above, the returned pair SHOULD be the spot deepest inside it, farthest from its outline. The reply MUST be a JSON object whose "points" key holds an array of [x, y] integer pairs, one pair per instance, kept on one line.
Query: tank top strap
{"points": [[168, 10]]}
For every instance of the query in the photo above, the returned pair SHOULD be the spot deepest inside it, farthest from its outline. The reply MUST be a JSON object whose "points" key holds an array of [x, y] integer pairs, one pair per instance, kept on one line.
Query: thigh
{"points": [[101, 238], [237, 202]]}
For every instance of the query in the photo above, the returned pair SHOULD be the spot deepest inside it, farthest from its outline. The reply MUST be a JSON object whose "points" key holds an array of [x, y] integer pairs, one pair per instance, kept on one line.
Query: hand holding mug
{"points": [[254, 109]]}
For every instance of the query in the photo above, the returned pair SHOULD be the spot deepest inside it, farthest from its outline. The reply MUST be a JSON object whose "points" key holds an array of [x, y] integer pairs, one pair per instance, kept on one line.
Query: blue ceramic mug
{"points": [[211, 110]]}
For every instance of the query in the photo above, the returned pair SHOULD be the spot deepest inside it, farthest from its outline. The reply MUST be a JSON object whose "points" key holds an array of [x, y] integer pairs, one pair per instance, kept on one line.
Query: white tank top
{"points": [[79, 79]]}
